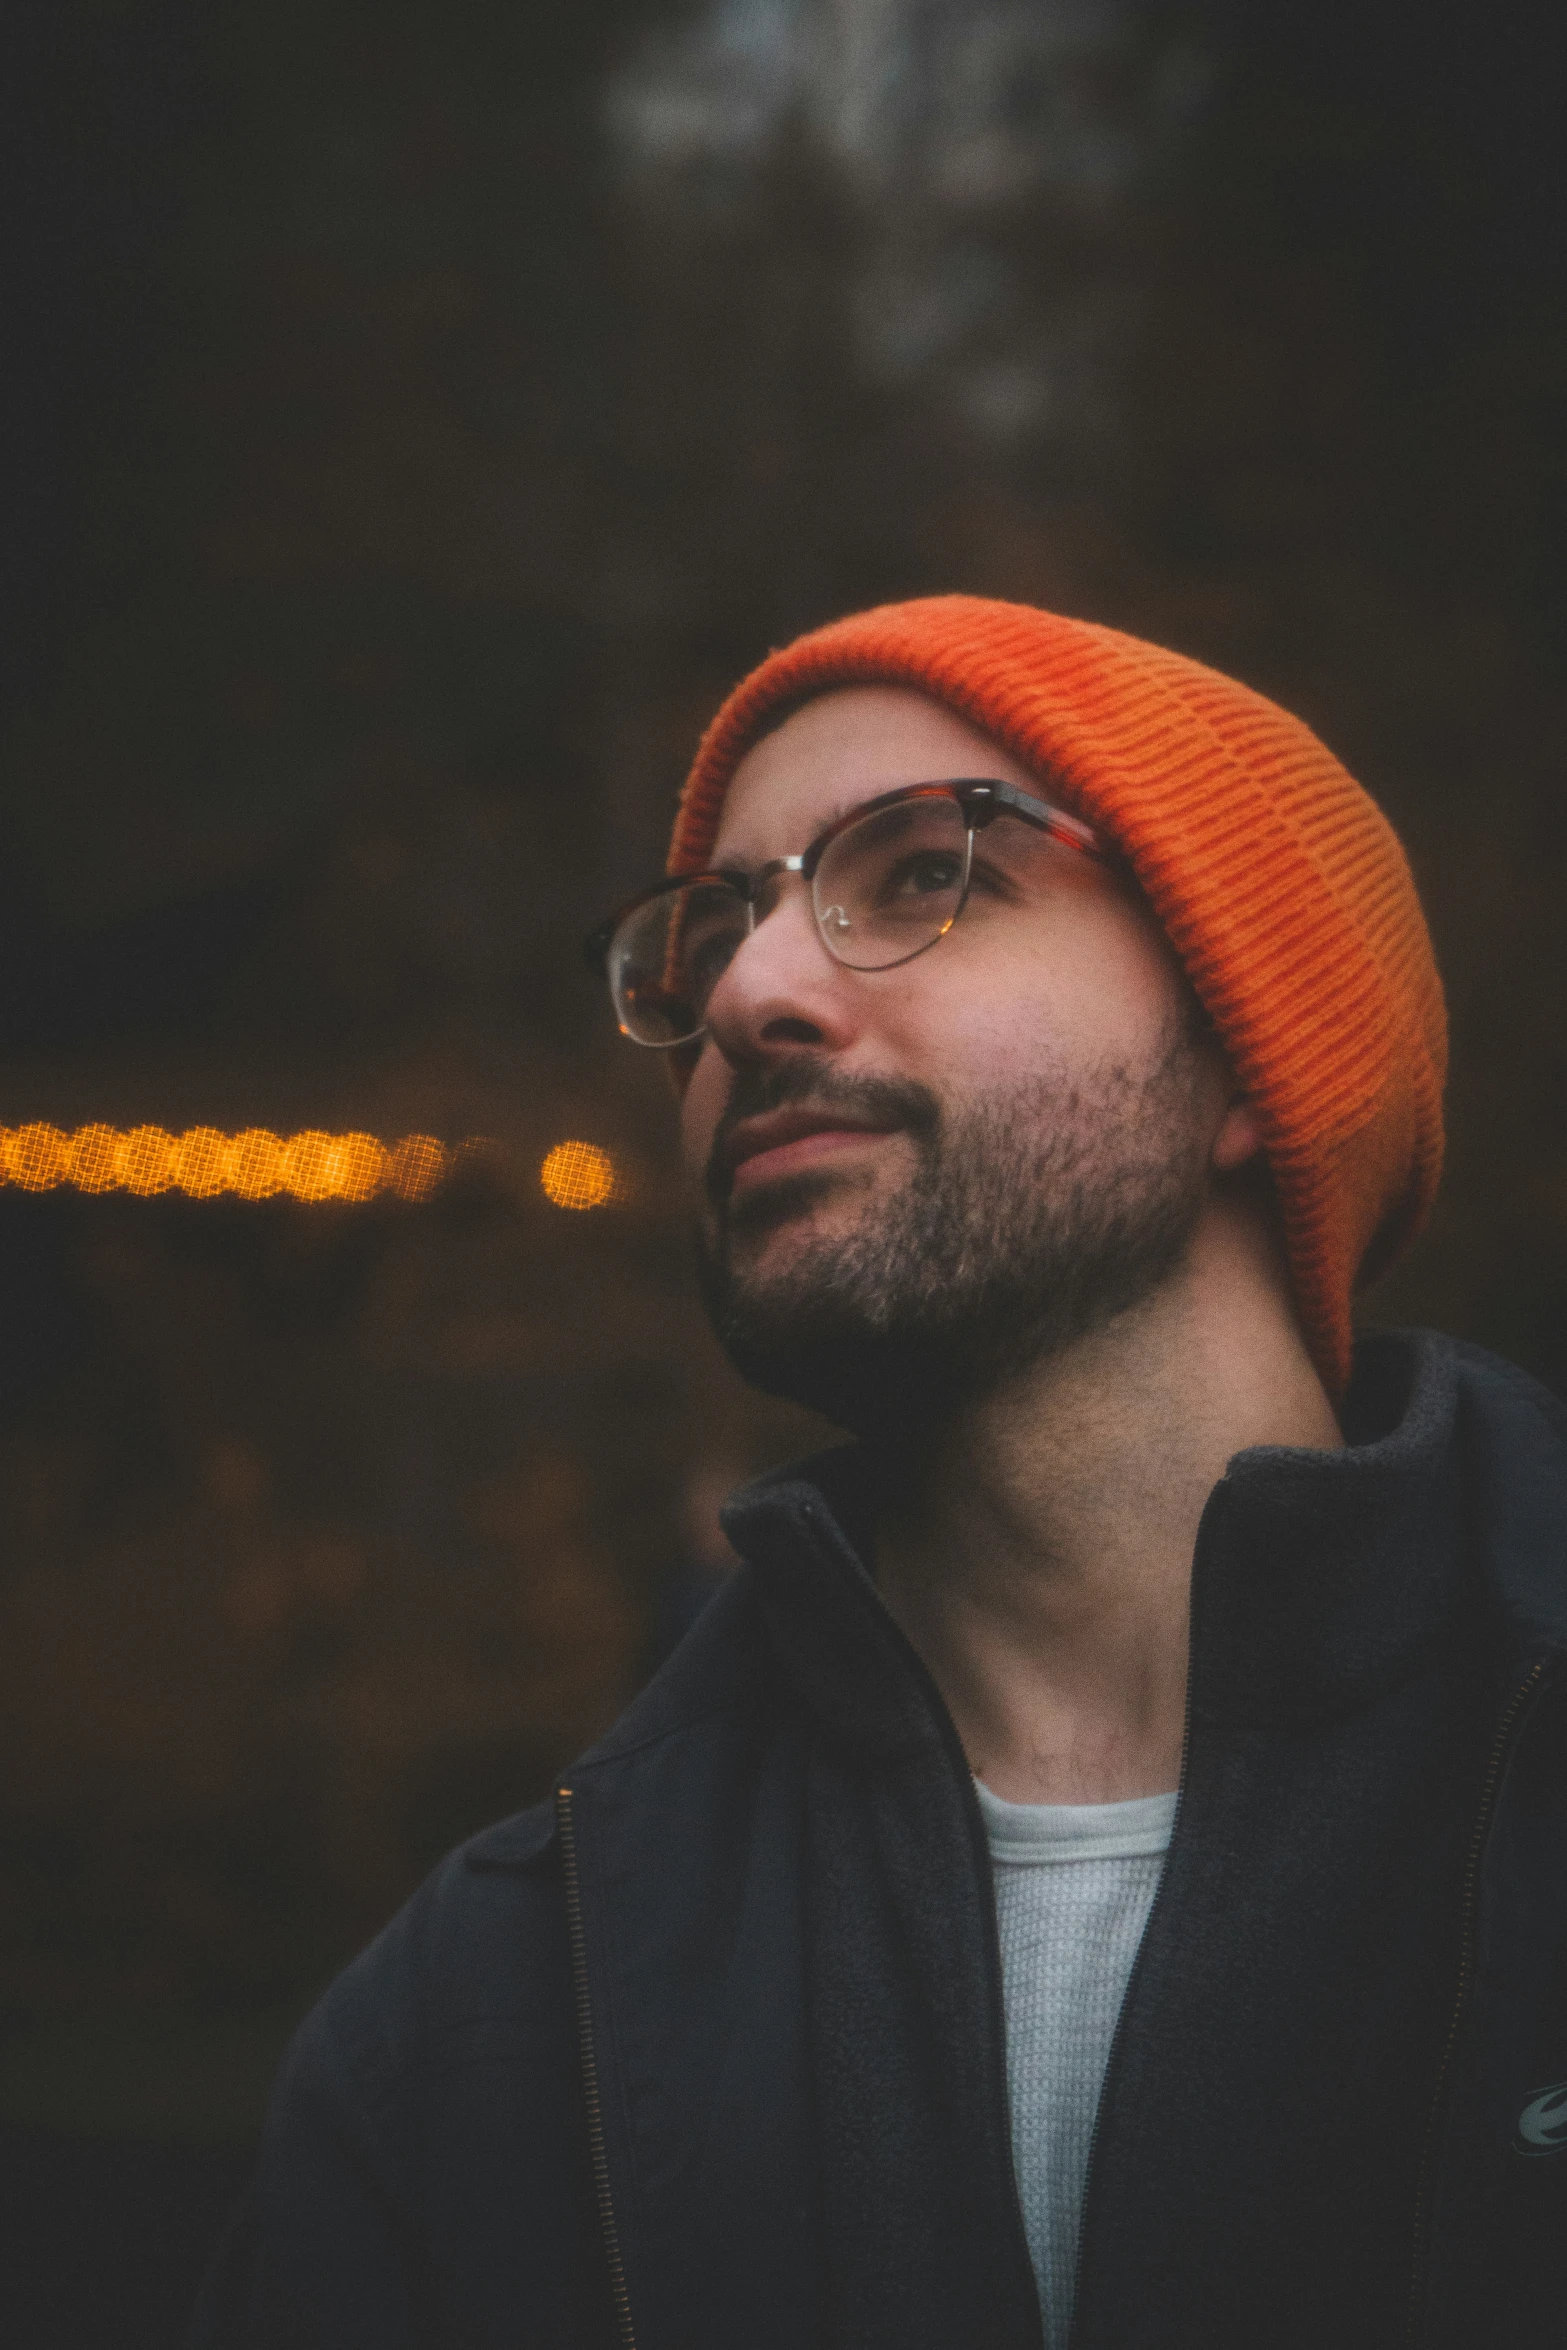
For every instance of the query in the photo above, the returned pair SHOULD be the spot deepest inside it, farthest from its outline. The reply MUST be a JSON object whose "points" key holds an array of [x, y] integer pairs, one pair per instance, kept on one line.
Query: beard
{"points": [[1033, 1218]]}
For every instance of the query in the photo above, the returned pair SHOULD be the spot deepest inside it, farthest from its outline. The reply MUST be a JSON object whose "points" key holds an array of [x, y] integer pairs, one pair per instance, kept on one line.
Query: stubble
{"points": [[1031, 1218]]}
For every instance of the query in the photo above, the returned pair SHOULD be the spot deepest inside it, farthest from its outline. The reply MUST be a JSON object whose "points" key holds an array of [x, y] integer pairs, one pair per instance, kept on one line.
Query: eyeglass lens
{"points": [[884, 890], [890, 885], [668, 956]]}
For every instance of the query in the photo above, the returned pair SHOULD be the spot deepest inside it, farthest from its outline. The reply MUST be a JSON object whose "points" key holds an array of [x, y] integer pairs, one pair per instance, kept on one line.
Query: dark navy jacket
{"points": [[708, 2054]]}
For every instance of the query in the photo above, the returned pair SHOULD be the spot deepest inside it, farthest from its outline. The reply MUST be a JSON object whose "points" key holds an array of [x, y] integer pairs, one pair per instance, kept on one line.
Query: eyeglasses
{"points": [[887, 881]]}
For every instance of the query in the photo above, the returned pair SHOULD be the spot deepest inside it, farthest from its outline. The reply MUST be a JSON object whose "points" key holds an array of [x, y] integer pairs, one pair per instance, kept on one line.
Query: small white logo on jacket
{"points": [[1542, 2125]]}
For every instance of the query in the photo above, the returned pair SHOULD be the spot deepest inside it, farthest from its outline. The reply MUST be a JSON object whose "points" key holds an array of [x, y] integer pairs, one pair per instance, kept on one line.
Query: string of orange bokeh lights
{"points": [[257, 1164], [202, 1162]]}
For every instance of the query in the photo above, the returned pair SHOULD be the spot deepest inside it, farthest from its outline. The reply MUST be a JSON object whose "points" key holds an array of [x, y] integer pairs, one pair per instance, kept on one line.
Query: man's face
{"points": [[911, 1183]]}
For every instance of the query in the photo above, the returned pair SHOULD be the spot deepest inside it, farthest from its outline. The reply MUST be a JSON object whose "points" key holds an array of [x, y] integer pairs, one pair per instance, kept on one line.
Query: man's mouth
{"points": [[792, 1141]]}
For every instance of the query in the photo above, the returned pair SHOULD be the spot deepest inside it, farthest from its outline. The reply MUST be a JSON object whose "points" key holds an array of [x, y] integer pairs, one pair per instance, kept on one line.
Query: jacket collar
{"points": [[1323, 1578], [1319, 1578]]}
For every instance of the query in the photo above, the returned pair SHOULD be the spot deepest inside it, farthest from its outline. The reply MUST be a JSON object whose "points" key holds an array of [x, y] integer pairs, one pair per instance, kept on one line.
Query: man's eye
{"points": [[709, 956], [926, 874]]}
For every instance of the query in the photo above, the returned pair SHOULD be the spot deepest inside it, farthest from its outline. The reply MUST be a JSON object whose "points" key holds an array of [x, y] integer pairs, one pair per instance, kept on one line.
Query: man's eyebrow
{"points": [[738, 864]]}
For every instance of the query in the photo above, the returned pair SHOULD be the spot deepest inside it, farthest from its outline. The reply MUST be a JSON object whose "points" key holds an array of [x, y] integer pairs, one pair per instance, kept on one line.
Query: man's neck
{"points": [[1038, 1551]]}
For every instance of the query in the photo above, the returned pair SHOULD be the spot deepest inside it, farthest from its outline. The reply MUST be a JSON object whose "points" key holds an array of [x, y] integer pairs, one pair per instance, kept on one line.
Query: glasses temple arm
{"points": [[1007, 799]]}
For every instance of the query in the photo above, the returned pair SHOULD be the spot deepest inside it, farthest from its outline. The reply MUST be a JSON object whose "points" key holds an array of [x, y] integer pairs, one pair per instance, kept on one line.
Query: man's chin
{"points": [[817, 1204]]}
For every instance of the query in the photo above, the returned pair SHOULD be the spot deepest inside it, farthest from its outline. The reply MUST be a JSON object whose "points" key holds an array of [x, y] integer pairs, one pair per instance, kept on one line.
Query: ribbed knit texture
{"points": [[1074, 1885], [1279, 882]]}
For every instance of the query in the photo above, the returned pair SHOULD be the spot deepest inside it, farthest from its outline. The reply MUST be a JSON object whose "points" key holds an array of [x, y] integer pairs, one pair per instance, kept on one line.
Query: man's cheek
{"points": [[698, 1123]]}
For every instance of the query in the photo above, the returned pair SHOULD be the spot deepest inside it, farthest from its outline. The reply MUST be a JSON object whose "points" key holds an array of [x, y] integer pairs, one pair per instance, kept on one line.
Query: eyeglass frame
{"points": [[980, 800]]}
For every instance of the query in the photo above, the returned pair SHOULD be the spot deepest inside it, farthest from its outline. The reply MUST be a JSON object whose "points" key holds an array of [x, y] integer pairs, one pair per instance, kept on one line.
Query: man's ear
{"points": [[1239, 1139]]}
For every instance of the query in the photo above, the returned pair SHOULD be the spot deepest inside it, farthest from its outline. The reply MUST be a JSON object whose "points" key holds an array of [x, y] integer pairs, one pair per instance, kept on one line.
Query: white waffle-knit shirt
{"points": [[1074, 1885]]}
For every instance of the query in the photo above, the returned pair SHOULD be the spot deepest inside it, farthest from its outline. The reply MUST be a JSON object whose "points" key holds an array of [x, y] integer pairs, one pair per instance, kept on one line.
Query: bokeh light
{"points": [[361, 1166], [579, 1175], [144, 1162], [37, 1156], [307, 1163], [201, 1162], [256, 1163], [417, 1166], [94, 1158]]}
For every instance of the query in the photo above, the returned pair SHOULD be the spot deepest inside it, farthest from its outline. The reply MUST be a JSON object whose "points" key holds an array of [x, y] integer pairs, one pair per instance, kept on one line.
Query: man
{"points": [[1098, 1872]]}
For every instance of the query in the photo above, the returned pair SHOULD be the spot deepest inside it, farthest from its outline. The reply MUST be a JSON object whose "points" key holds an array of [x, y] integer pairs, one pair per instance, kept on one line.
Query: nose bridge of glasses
{"points": [[775, 865], [763, 891], [763, 894]]}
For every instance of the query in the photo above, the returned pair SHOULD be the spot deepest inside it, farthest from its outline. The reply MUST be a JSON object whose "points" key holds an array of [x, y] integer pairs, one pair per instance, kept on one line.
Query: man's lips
{"points": [[783, 1142]]}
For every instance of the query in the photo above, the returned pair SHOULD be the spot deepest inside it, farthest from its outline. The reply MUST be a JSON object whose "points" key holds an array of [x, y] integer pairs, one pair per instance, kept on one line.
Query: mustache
{"points": [[807, 1077]]}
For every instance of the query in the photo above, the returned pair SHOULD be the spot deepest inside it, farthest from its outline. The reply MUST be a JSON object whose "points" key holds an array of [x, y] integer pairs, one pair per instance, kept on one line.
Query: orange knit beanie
{"points": [[1280, 884]]}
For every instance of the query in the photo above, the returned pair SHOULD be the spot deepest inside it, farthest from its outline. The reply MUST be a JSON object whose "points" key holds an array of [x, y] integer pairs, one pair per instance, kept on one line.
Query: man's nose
{"points": [[781, 988]]}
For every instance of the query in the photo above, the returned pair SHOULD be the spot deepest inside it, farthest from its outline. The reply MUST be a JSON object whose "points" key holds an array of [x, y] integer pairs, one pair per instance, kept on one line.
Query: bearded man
{"points": [[1097, 1873]]}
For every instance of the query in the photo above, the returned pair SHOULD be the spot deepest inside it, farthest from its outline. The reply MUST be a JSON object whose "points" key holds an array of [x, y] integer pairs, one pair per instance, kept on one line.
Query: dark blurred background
{"points": [[412, 418]]}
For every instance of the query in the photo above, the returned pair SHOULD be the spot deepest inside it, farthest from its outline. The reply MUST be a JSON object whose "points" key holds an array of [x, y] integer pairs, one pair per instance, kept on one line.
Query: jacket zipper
{"points": [[979, 1843], [592, 2100], [1469, 1903], [1000, 2086], [1119, 2033]]}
